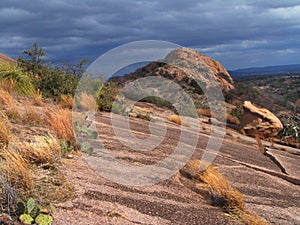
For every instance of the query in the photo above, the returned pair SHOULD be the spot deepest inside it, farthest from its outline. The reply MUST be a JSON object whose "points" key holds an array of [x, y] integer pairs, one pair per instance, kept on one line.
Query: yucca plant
{"points": [[21, 80]]}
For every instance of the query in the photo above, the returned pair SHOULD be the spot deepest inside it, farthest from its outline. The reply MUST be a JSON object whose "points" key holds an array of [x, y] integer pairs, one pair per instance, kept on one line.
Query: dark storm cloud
{"points": [[236, 32]]}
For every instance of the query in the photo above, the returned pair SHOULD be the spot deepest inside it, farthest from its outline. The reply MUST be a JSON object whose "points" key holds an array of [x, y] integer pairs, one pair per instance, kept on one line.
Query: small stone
{"points": [[70, 156]]}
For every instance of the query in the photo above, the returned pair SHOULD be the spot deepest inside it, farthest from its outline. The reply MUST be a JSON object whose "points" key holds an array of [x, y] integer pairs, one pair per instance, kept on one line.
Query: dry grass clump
{"points": [[67, 101], [175, 118], [42, 150], [53, 188], [17, 169], [222, 193], [13, 114], [9, 105], [37, 99], [253, 219], [31, 117], [87, 102], [6, 99], [6, 85], [60, 122], [5, 135]]}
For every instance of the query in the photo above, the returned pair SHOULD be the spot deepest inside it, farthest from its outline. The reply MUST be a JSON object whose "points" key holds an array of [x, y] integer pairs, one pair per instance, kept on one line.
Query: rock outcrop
{"points": [[6, 59], [259, 121], [196, 66], [201, 61]]}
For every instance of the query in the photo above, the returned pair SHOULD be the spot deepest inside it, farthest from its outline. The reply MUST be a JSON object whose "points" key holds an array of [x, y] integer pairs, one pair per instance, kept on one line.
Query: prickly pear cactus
{"points": [[21, 208], [26, 218], [43, 219], [30, 205]]}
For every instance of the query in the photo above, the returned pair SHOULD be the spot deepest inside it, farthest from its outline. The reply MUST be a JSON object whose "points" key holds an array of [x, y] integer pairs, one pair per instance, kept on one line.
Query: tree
{"points": [[34, 59], [77, 70]]}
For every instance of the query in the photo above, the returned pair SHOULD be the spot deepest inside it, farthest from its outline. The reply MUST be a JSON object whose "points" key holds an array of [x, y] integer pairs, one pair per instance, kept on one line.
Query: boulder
{"points": [[259, 121]]}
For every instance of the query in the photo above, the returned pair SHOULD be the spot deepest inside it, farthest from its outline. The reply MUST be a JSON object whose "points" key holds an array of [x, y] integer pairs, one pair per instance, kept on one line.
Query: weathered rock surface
{"points": [[259, 121], [196, 66], [177, 200], [6, 59], [193, 59]]}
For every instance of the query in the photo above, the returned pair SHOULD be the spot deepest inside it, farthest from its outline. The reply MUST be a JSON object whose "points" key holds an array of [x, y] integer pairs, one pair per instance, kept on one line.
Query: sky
{"points": [[238, 33]]}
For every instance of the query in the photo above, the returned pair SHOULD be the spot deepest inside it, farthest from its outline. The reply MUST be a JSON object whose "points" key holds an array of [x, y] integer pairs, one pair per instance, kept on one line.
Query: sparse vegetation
{"points": [[107, 96], [144, 116], [222, 193], [60, 122], [31, 213], [5, 135], [88, 102], [31, 117], [25, 155], [41, 150], [67, 101], [17, 170]]}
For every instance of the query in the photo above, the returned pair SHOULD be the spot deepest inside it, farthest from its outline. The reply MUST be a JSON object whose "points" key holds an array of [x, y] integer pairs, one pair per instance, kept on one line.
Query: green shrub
{"points": [[158, 102], [144, 116], [107, 96], [54, 82], [22, 81], [238, 110]]}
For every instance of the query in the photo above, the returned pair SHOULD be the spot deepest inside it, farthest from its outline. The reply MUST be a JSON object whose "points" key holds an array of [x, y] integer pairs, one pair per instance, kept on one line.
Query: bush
{"points": [[53, 82], [21, 81], [158, 102], [107, 96]]}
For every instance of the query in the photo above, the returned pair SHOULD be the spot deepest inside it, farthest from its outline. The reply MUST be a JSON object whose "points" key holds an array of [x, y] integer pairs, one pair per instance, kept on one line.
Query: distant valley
{"points": [[268, 70]]}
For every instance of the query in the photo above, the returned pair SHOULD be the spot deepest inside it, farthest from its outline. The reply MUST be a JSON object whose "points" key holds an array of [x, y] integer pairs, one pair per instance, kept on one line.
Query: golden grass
{"points": [[17, 169], [31, 117], [67, 101], [252, 219], [10, 108], [87, 102], [60, 122], [5, 135], [42, 150], [13, 114], [6, 85], [175, 118], [37, 98], [6, 99], [222, 193]]}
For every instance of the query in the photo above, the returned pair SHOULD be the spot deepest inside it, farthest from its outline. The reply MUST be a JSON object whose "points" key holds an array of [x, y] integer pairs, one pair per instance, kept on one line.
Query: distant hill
{"points": [[269, 70], [187, 56]]}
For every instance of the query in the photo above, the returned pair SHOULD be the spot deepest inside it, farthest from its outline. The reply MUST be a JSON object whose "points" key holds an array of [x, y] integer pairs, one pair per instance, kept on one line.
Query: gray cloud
{"points": [[238, 33]]}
